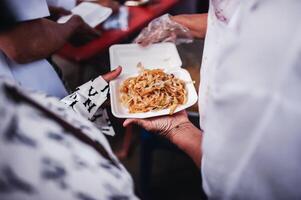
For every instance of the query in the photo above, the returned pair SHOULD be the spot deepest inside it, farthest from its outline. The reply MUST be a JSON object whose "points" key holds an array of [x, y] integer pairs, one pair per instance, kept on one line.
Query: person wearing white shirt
{"points": [[249, 102], [66, 4], [23, 73], [24, 47], [62, 7], [49, 152]]}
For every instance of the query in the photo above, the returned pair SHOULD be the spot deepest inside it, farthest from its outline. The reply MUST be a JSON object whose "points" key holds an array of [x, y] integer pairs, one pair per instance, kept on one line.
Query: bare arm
{"points": [[188, 138], [177, 129], [37, 39], [176, 29], [196, 23]]}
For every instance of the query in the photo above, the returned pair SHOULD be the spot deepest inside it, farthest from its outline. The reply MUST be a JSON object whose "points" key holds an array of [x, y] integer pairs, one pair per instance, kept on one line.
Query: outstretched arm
{"points": [[196, 23], [38, 39], [178, 29], [177, 129]]}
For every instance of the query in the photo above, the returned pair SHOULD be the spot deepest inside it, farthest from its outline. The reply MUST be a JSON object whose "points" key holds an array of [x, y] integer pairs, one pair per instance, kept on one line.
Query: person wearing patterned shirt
{"points": [[48, 151], [49, 148], [88, 98]]}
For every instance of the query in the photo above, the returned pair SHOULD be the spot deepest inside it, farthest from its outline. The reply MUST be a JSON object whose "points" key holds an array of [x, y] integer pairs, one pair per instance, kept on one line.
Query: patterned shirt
{"points": [[48, 151], [86, 101]]}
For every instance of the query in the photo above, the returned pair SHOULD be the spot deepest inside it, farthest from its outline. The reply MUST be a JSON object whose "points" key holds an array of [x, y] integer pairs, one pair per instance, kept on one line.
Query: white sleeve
{"points": [[252, 128], [67, 4], [88, 98], [29, 9]]}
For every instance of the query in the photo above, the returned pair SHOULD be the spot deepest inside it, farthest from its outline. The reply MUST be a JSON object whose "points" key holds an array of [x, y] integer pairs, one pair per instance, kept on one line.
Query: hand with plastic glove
{"points": [[177, 29], [163, 29]]}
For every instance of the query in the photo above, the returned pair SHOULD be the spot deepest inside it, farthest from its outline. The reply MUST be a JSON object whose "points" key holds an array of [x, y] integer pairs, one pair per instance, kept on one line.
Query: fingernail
{"points": [[115, 69]]}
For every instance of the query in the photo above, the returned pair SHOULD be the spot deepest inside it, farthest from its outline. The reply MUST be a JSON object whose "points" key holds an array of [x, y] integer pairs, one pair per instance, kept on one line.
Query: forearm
{"points": [[34, 40], [189, 139], [196, 23], [88, 98]]}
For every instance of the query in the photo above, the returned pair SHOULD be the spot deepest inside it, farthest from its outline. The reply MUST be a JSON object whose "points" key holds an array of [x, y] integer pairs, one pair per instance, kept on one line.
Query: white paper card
{"points": [[93, 14]]}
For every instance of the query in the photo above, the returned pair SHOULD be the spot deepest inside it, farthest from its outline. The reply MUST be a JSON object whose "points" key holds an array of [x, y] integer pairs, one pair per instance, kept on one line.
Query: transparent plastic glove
{"points": [[163, 29]]}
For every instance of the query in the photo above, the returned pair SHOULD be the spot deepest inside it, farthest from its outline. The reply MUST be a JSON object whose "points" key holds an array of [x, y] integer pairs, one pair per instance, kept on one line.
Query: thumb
{"points": [[64, 12], [112, 75], [128, 122], [139, 122], [93, 31]]}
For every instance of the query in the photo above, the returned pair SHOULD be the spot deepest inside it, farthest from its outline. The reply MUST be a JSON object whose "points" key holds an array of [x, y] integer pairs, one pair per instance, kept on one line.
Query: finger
{"points": [[139, 122], [138, 39], [183, 112], [112, 75], [144, 43], [128, 122], [64, 11], [91, 31], [76, 19], [95, 32]]}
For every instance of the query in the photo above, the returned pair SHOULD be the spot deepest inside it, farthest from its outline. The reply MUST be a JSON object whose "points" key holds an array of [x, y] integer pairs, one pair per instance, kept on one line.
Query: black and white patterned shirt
{"points": [[87, 99], [47, 151]]}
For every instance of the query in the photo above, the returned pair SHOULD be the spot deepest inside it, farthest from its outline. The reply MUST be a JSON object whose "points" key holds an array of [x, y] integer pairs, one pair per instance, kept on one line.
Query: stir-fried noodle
{"points": [[153, 90]]}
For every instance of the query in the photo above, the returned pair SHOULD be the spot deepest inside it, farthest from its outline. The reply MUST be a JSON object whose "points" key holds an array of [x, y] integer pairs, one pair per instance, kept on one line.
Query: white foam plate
{"points": [[158, 56], [93, 14]]}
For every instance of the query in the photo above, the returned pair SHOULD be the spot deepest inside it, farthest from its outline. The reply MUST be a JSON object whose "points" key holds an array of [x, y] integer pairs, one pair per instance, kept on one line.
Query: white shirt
{"points": [[251, 115], [41, 76], [66, 4], [29, 9], [38, 75]]}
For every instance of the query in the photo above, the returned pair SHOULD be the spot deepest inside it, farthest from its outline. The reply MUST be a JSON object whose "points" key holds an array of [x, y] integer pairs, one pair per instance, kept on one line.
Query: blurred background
{"points": [[159, 169]]}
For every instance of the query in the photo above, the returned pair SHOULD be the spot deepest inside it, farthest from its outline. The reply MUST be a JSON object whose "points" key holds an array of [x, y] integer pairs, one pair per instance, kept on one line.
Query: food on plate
{"points": [[153, 90]]}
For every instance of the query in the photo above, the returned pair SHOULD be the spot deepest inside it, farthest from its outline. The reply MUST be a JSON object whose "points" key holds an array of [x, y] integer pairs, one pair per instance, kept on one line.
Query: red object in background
{"points": [[139, 17]]}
